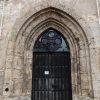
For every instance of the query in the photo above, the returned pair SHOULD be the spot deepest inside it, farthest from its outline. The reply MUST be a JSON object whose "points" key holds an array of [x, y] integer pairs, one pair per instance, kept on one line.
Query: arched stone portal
{"points": [[21, 45], [51, 70]]}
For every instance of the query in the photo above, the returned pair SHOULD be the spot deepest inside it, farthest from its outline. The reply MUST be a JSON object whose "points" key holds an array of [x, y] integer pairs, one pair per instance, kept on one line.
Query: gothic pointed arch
{"points": [[24, 41], [51, 70], [51, 40]]}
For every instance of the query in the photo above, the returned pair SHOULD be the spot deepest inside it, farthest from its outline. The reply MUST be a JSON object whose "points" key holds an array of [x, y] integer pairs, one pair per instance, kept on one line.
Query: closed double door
{"points": [[51, 79]]}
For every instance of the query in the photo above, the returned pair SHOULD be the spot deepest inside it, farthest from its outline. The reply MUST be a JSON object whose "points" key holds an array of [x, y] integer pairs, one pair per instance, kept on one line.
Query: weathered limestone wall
{"points": [[13, 14], [98, 8]]}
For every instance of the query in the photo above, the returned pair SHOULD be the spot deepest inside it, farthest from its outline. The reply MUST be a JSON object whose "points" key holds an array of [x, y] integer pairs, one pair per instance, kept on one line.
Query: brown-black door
{"points": [[51, 79]]}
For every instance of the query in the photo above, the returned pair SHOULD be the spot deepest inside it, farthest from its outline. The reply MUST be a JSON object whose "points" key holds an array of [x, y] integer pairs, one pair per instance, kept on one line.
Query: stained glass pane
{"points": [[51, 41]]}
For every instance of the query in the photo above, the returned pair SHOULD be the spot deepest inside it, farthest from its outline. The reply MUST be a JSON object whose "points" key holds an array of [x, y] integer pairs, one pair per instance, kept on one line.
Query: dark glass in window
{"points": [[51, 40]]}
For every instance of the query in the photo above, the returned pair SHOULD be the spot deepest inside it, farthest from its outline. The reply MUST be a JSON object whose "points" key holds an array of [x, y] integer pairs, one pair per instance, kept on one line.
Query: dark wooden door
{"points": [[51, 76]]}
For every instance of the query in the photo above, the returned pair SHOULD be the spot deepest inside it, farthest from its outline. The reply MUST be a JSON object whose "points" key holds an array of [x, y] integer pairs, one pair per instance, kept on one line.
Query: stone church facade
{"points": [[23, 21]]}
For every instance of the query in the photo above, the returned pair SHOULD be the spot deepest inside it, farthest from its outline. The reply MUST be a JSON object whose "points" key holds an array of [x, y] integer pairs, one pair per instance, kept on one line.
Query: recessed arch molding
{"points": [[21, 54]]}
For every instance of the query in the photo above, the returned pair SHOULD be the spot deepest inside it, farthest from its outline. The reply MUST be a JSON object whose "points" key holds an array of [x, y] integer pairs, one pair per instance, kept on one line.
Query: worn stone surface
{"points": [[22, 21]]}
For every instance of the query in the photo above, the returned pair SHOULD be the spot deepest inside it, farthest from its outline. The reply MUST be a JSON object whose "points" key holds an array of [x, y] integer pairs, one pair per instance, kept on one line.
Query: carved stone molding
{"points": [[20, 53]]}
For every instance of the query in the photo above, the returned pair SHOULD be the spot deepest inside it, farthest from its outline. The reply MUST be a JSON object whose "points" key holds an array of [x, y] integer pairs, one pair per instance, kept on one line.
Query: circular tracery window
{"points": [[51, 40]]}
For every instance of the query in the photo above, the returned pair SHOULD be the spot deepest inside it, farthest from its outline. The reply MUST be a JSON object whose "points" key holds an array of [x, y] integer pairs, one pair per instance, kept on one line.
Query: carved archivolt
{"points": [[22, 47]]}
